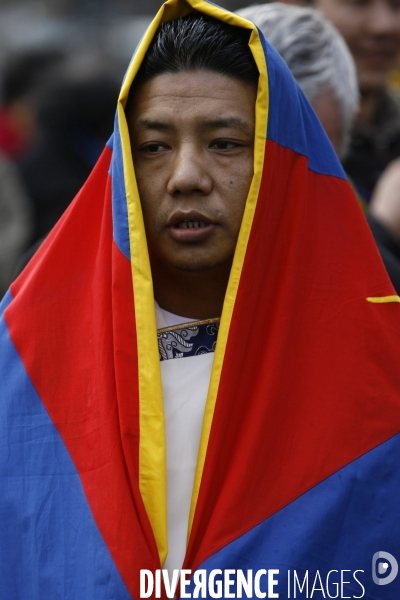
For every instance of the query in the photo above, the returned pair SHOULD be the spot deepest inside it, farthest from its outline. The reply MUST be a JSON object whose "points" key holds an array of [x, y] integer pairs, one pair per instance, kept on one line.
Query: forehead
{"points": [[355, 6], [193, 96]]}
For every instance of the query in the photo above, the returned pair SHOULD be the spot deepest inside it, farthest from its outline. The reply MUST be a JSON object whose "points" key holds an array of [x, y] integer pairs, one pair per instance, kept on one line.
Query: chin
{"points": [[201, 265], [194, 267], [373, 82]]}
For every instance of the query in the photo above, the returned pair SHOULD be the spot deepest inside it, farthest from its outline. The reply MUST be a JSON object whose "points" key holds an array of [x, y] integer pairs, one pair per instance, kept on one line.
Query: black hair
{"points": [[198, 41], [23, 71]]}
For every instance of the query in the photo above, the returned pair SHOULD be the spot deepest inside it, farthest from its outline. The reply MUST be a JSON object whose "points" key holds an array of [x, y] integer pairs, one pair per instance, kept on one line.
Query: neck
{"points": [[369, 103], [194, 294]]}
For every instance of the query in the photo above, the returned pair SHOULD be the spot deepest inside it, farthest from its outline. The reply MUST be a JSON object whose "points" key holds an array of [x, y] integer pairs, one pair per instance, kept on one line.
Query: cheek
{"points": [[149, 188], [348, 21], [349, 25], [237, 190], [242, 181]]}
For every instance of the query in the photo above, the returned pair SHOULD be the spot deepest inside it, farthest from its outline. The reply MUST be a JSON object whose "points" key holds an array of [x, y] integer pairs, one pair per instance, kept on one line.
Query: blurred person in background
{"points": [[22, 74], [76, 108], [371, 29], [384, 217], [15, 221], [319, 61]]}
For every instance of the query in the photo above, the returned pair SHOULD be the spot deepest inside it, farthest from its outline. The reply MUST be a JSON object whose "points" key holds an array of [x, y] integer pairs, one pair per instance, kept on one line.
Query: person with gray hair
{"points": [[322, 65], [319, 60]]}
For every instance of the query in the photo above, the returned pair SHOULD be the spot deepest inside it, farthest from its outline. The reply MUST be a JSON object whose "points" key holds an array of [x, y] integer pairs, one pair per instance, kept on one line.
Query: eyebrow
{"points": [[226, 123], [146, 124]]}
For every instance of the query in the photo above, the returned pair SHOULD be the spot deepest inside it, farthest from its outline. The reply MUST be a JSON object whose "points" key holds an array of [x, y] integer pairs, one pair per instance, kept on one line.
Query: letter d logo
{"points": [[383, 567]]}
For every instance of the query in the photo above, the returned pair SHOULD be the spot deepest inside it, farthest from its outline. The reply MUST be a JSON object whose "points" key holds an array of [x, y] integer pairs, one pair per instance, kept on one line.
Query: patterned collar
{"points": [[188, 339]]}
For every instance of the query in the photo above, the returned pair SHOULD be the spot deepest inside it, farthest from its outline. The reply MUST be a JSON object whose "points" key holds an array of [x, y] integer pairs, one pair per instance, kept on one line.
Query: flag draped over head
{"points": [[298, 460]]}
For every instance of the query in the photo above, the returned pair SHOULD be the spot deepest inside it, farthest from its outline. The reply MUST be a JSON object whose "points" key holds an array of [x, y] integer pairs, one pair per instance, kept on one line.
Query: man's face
{"points": [[371, 29], [192, 138]]}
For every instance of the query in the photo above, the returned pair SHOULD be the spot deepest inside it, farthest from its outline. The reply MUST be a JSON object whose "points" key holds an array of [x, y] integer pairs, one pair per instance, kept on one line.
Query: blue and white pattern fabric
{"points": [[184, 341]]}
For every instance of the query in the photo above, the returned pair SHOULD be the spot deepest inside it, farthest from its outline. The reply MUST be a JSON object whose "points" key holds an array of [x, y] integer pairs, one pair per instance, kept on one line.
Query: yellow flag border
{"points": [[152, 451], [383, 299]]}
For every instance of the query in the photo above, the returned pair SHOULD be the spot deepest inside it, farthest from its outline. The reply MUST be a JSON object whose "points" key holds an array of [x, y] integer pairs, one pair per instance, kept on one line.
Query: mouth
{"points": [[378, 57], [190, 224], [190, 227]]}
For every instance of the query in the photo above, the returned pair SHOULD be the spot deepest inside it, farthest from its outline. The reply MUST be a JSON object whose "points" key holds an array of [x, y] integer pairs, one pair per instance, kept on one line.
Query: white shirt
{"points": [[185, 383]]}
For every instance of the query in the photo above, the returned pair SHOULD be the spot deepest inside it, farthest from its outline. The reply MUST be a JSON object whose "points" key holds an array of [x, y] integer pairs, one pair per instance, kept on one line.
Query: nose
{"points": [[383, 18], [189, 172]]}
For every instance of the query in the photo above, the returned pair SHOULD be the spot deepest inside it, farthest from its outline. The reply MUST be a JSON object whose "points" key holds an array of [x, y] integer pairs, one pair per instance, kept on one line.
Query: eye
{"points": [[224, 145], [153, 148]]}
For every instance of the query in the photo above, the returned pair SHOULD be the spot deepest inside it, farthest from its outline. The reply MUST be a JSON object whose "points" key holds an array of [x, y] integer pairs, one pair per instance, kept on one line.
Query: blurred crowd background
{"points": [[62, 61]]}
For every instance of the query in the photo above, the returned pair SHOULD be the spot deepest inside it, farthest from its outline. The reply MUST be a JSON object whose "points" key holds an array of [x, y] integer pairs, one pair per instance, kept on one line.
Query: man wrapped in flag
{"points": [[199, 368]]}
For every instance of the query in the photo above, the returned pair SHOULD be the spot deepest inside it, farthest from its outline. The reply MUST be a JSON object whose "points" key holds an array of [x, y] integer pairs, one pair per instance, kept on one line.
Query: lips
{"points": [[377, 55], [190, 226], [378, 60]]}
